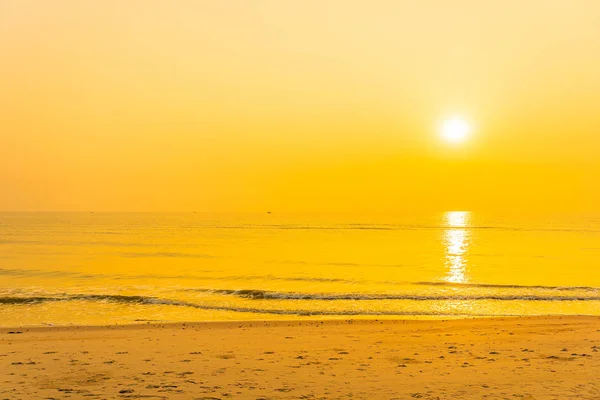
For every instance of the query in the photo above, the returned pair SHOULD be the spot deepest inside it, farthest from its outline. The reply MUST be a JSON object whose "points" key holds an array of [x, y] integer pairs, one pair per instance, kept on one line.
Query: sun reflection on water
{"points": [[456, 239]]}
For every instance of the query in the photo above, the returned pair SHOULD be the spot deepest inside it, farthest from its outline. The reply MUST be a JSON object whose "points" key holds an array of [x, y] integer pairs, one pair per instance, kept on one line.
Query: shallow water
{"points": [[97, 268]]}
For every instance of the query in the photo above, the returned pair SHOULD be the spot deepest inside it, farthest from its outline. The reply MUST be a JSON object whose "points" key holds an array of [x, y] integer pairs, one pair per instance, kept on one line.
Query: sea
{"points": [[125, 268]]}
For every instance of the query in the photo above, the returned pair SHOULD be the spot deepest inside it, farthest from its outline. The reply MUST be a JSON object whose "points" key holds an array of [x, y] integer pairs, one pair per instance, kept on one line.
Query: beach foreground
{"points": [[508, 358]]}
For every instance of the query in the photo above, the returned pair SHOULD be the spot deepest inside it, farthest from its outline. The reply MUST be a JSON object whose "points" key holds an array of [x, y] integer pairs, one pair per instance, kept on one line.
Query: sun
{"points": [[455, 130]]}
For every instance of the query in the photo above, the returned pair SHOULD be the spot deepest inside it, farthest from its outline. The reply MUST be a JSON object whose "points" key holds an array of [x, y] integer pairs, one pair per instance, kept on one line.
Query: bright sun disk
{"points": [[455, 130]]}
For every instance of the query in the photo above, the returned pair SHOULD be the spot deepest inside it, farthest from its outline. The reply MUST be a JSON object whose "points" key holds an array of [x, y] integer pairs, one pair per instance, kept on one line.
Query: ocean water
{"points": [[106, 268]]}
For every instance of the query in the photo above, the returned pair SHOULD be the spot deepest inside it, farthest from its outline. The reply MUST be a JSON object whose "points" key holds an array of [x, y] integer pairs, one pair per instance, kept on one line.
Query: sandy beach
{"points": [[509, 358]]}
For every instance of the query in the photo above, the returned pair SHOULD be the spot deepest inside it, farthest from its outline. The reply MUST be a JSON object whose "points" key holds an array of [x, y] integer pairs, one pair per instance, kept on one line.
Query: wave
{"points": [[158, 301], [509, 286], [253, 310], [258, 294], [249, 293], [91, 297], [267, 295], [272, 295]]}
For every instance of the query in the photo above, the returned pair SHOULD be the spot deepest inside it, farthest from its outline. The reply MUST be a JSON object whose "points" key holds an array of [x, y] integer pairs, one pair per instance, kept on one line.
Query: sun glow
{"points": [[455, 130]]}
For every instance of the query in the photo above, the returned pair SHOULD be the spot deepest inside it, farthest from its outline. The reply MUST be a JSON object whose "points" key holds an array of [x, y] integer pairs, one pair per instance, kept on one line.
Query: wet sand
{"points": [[509, 358]]}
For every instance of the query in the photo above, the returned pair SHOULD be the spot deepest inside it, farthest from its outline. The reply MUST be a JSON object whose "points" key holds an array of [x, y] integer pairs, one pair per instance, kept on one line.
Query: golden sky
{"points": [[298, 105]]}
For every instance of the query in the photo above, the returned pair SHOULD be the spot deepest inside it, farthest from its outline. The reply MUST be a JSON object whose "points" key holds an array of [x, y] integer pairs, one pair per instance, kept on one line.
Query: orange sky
{"points": [[298, 105]]}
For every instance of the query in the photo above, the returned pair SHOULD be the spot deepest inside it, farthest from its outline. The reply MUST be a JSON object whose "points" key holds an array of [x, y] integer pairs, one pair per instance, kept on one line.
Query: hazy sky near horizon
{"points": [[298, 105]]}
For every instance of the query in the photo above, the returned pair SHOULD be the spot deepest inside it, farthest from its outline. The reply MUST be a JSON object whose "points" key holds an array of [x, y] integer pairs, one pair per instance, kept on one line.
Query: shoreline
{"points": [[537, 357], [298, 321]]}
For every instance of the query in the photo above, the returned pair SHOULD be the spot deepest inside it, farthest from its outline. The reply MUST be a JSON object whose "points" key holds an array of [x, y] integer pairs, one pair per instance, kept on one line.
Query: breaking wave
{"points": [[254, 310], [273, 295]]}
